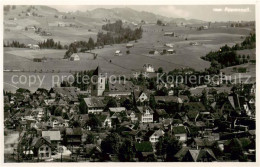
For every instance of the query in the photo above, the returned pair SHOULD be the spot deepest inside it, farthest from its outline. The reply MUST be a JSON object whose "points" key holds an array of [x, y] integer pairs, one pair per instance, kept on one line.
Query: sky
{"points": [[201, 12]]}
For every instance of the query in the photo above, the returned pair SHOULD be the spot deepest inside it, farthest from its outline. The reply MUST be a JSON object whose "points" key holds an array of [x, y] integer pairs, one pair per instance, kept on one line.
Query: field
{"points": [[153, 39]]}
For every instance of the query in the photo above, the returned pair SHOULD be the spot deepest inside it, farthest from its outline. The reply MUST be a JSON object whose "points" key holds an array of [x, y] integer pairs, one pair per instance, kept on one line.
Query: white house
{"points": [[154, 138], [118, 53], [146, 114], [180, 133], [132, 115], [74, 57], [117, 109], [35, 47], [171, 34], [148, 68], [141, 96], [205, 27], [129, 45]]}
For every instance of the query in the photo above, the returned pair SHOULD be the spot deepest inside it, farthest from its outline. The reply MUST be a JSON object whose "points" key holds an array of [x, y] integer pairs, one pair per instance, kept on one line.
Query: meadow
{"points": [[153, 39]]}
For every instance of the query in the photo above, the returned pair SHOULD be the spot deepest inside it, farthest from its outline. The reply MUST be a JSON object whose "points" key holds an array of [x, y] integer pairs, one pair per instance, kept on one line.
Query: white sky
{"points": [[201, 12]]}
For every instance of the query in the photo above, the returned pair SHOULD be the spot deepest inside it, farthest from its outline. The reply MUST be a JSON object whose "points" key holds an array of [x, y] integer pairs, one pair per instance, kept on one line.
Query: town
{"points": [[130, 122], [159, 89]]}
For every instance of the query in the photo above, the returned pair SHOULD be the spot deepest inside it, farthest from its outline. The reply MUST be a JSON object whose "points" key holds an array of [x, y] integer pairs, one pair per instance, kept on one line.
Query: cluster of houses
{"points": [[56, 124]]}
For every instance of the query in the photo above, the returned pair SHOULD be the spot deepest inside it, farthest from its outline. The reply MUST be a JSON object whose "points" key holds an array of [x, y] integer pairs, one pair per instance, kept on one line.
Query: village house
{"points": [[117, 109], [142, 96], [146, 114], [154, 138], [74, 57], [132, 115], [11, 142], [94, 104], [129, 45], [55, 137], [187, 154], [153, 52], [105, 120], [120, 88], [170, 34], [180, 133], [69, 94], [171, 51], [118, 53], [73, 136], [148, 68], [42, 147]]}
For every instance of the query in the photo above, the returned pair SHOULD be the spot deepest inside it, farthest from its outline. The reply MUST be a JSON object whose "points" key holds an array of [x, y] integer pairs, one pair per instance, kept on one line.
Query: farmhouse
{"points": [[170, 51], [205, 27], [148, 68], [129, 45], [170, 45], [171, 34], [74, 57], [153, 52], [35, 47], [61, 25], [31, 28], [194, 43], [118, 53]]}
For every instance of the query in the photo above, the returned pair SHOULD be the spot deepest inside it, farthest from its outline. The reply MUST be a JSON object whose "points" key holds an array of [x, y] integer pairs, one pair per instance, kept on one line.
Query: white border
{"points": [[132, 2]]}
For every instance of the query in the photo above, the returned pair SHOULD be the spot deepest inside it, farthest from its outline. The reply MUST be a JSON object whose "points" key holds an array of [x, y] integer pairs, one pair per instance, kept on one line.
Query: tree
{"points": [[111, 103], [127, 103], [159, 22], [126, 153], [235, 148], [75, 124], [167, 147], [162, 92], [111, 144], [160, 70], [204, 97], [173, 146], [82, 107], [93, 121], [91, 43]]}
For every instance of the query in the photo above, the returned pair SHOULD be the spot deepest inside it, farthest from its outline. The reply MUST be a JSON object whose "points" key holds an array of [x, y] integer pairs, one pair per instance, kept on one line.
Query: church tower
{"points": [[98, 83]]}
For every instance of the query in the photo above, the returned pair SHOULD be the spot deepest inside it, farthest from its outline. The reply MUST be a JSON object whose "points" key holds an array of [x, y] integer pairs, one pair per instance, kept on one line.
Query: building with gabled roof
{"points": [[95, 104], [146, 114]]}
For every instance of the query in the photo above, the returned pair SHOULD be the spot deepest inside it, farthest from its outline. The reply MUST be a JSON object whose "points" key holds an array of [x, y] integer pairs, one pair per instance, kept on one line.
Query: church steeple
{"points": [[97, 71], [99, 80]]}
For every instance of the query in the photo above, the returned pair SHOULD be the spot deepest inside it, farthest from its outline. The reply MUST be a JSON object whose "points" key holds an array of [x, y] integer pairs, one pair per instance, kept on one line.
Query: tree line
{"points": [[226, 56], [118, 34]]}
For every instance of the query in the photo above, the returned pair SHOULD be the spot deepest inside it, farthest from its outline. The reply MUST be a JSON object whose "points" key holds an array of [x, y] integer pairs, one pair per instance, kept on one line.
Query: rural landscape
{"points": [[159, 89]]}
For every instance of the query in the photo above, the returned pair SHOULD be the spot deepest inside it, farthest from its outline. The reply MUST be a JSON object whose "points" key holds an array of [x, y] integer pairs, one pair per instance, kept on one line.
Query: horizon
{"points": [[216, 13]]}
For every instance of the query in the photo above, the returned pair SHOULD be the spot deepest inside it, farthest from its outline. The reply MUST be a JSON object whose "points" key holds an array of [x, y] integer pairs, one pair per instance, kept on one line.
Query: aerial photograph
{"points": [[129, 83]]}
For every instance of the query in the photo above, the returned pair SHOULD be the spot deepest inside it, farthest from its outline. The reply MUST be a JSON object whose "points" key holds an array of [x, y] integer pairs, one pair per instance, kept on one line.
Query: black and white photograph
{"points": [[128, 83]]}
